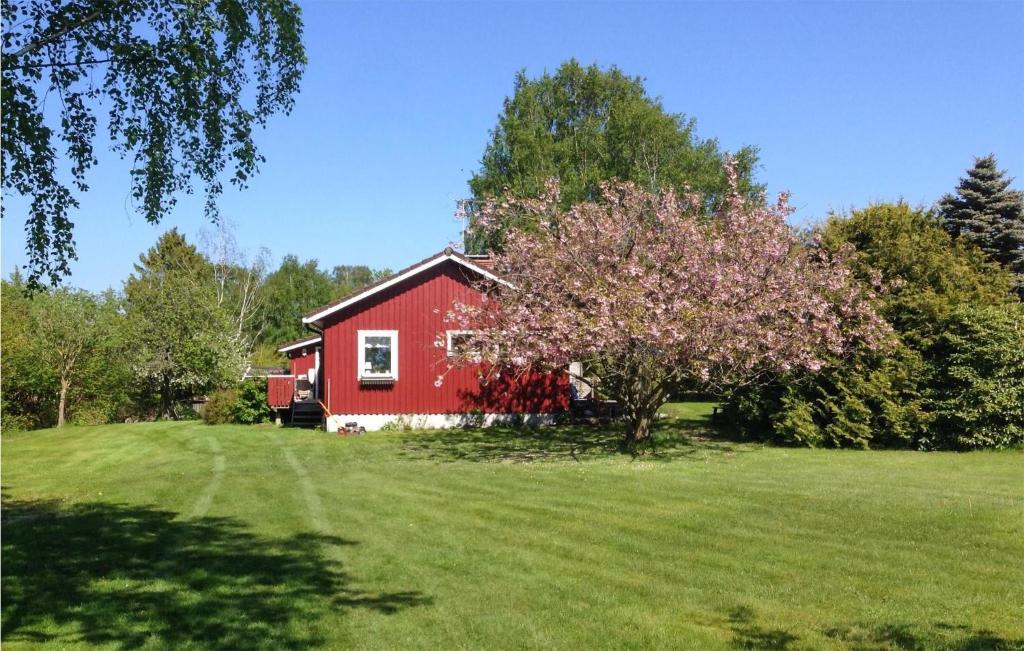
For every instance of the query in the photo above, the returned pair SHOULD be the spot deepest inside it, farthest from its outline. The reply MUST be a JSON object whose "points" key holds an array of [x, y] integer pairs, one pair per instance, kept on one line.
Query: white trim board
{"points": [[429, 264], [300, 344], [477, 356], [361, 336], [374, 422]]}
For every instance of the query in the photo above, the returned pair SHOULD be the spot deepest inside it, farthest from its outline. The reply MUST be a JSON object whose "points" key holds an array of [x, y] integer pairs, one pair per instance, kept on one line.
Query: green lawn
{"points": [[166, 534]]}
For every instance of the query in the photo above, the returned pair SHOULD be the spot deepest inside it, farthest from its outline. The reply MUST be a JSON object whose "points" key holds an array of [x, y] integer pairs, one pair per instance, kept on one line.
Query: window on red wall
{"points": [[460, 344], [378, 354]]}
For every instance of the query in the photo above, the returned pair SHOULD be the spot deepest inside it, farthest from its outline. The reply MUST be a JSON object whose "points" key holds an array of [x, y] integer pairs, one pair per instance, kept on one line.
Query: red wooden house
{"points": [[371, 358]]}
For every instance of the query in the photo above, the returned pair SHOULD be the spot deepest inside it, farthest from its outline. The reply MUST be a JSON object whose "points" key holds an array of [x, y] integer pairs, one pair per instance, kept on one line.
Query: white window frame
{"points": [[361, 374], [454, 333]]}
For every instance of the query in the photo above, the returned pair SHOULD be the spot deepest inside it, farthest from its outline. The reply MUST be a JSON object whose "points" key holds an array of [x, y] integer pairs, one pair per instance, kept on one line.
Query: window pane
{"points": [[463, 346], [460, 344], [378, 355]]}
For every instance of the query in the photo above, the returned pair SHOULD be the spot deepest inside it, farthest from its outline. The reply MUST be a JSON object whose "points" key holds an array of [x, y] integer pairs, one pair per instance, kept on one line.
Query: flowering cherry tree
{"points": [[650, 293]]}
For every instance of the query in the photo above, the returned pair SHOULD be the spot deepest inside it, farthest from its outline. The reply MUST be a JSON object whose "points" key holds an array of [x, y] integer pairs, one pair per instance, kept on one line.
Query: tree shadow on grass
{"points": [[673, 438], [905, 637], [128, 575], [747, 633]]}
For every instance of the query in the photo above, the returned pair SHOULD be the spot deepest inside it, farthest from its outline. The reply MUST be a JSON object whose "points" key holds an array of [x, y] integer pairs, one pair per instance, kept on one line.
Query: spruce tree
{"points": [[986, 212]]}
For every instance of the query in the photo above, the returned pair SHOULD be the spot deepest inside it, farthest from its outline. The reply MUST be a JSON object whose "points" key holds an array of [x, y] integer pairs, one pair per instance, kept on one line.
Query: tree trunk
{"points": [[639, 428], [62, 403], [166, 400], [641, 410], [640, 384]]}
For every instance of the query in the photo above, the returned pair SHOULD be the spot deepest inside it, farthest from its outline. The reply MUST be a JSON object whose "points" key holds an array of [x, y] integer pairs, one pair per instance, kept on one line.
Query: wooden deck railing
{"points": [[280, 391]]}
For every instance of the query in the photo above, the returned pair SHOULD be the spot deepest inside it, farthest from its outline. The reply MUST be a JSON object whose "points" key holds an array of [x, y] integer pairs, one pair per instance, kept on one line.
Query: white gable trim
{"points": [[300, 344], [429, 264]]}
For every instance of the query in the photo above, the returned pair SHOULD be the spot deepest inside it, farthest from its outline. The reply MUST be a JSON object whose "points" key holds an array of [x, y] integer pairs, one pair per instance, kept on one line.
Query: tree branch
{"points": [[64, 64], [35, 45]]}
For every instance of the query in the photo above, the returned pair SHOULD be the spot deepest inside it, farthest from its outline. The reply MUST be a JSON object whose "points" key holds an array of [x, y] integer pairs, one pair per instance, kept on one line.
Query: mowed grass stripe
{"points": [[501, 497], [706, 545], [503, 509]]}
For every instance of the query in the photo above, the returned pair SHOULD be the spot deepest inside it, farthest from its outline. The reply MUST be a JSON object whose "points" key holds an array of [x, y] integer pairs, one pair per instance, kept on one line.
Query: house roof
{"points": [[473, 263], [299, 343]]}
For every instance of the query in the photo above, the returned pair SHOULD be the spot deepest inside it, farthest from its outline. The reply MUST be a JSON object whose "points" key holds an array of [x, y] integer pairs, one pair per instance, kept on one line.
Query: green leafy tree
{"points": [[977, 392], [986, 212], [106, 391], [348, 279], [186, 343], [927, 273], [184, 85], [28, 389], [869, 399], [63, 356], [584, 125], [296, 287], [69, 329], [290, 291]]}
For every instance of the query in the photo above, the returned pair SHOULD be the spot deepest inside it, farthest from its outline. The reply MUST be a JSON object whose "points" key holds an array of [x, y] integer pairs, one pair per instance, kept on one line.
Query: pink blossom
{"points": [[645, 285]]}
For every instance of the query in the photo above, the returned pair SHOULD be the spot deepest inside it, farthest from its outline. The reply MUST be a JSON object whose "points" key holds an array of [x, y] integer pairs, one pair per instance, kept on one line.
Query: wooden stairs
{"points": [[307, 414]]}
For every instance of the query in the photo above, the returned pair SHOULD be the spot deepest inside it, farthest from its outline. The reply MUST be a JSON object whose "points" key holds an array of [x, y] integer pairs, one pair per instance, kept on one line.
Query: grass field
{"points": [[162, 535]]}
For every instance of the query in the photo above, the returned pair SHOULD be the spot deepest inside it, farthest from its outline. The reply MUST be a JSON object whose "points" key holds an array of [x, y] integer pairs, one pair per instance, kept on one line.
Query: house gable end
{"points": [[318, 315], [397, 293]]}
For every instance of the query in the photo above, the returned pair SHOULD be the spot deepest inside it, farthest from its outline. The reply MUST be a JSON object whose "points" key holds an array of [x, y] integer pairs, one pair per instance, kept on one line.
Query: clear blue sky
{"points": [[849, 103]]}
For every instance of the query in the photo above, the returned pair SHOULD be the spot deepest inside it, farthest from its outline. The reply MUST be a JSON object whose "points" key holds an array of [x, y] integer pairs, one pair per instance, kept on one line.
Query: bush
{"points": [[220, 407], [396, 425], [251, 404], [186, 412], [978, 385], [954, 378], [245, 404], [91, 414], [16, 423]]}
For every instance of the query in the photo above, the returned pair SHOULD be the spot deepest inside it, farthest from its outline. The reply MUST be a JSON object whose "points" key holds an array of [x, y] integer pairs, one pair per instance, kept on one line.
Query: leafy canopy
{"points": [[642, 287], [183, 85], [927, 273], [585, 125], [934, 287], [978, 387], [186, 342], [28, 389], [296, 287], [64, 356]]}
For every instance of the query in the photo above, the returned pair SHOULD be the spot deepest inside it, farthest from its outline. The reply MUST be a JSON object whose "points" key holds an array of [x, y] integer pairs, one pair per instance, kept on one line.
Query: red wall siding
{"points": [[297, 364], [416, 308], [280, 390]]}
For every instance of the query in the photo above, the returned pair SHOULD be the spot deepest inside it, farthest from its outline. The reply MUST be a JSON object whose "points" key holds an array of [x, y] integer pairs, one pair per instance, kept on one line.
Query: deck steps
{"points": [[307, 414]]}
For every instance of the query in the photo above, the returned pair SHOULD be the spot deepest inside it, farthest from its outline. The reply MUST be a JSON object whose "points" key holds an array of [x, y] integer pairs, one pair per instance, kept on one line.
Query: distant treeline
{"points": [[187, 321]]}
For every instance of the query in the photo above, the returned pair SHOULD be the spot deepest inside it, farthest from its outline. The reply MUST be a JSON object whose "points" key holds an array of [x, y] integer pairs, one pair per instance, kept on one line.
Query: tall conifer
{"points": [[986, 212]]}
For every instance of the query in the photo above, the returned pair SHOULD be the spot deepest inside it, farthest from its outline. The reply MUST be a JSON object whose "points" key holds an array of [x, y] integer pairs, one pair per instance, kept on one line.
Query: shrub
{"points": [[186, 412], [245, 404], [220, 407], [978, 385], [953, 379], [396, 425], [251, 404], [16, 423], [91, 414]]}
